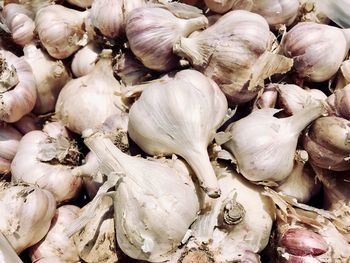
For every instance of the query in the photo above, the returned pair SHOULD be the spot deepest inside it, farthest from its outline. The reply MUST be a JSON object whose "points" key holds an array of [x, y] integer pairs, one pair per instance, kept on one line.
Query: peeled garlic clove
{"points": [[269, 153], [48, 163], [17, 87], [9, 140], [248, 40], [26, 214], [85, 59], [165, 117], [93, 95], [152, 31], [317, 50], [223, 6], [61, 30], [50, 77], [326, 142], [56, 243], [81, 3]]}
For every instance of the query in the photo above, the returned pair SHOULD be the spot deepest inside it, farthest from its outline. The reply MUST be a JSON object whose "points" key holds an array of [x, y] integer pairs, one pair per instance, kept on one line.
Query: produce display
{"points": [[190, 131]]}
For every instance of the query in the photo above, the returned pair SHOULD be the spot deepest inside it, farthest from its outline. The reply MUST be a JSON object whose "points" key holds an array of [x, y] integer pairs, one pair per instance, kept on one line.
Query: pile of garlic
{"points": [[202, 131]]}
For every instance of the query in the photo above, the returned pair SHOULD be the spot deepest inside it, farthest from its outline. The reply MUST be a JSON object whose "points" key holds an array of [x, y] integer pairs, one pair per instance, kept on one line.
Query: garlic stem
{"points": [[186, 47], [194, 24]]}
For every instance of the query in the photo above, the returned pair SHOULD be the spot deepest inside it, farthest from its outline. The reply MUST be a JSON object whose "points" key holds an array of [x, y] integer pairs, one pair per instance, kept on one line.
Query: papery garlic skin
{"points": [[26, 214], [31, 166], [20, 22], [152, 32], [50, 76], [81, 3], [167, 115], [61, 30], [84, 60], [9, 140], [18, 100], [317, 50], [56, 243]]}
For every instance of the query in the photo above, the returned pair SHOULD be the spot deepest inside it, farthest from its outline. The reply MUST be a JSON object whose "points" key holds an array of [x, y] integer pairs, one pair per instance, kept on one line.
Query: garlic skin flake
{"points": [[169, 113]]}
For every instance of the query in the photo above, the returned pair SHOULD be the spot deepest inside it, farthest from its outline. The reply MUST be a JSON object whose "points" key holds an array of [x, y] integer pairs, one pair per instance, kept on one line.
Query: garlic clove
{"points": [[268, 97], [84, 60]]}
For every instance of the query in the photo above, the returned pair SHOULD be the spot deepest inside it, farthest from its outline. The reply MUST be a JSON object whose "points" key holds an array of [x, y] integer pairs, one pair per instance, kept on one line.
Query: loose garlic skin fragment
{"points": [[9, 140], [84, 60], [168, 114], [26, 213]]}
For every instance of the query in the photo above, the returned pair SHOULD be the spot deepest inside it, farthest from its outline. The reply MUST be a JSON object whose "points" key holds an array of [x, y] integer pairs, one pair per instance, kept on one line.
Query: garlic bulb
{"points": [[56, 243], [345, 70], [61, 30], [26, 213], [47, 162], [84, 60], [7, 254], [341, 102], [27, 123], [92, 95], [51, 260], [269, 155], [20, 21], [148, 191], [246, 37], [317, 50], [17, 87], [167, 115], [81, 3], [336, 10], [326, 142], [50, 76], [152, 32], [223, 6], [9, 140]]}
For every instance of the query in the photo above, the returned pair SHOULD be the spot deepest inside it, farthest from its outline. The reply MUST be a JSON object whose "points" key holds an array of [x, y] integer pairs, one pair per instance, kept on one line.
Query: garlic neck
{"points": [[104, 64], [194, 24], [187, 48]]}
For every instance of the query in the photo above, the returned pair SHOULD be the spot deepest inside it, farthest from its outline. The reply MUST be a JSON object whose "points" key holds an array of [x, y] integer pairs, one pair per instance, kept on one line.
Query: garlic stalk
{"points": [[167, 115], [223, 6], [85, 59], [146, 191], [317, 50], [246, 37], [47, 162], [269, 153], [50, 76], [56, 243], [93, 95], [17, 87], [26, 214], [9, 140], [61, 30], [326, 142], [152, 31], [81, 3]]}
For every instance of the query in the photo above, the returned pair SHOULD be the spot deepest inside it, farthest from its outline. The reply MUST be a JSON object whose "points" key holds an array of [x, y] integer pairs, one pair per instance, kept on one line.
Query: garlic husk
{"points": [[248, 40], [293, 98], [27, 123], [7, 253], [26, 214], [18, 88], [9, 140], [301, 183], [317, 50], [223, 6], [61, 30], [84, 60], [92, 95], [152, 31], [309, 11], [47, 162], [165, 117], [56, 243], [269, 153], [326, 142], [50, 76], [81, 3], [147, 191], [20, 21]]}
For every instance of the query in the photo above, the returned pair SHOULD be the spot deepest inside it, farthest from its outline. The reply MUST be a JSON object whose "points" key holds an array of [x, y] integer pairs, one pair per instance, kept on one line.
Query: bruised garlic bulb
{"points": [[84, 60], [167, 115], [61, 30], [26, 213], [92, 95], [268, 154], [317, 50], [17, 87], [81, 3], [56, 243], [50, 76], [223, 6], [246, 37], [47, 162], [20, 22], [9, 140], [152, 31]]}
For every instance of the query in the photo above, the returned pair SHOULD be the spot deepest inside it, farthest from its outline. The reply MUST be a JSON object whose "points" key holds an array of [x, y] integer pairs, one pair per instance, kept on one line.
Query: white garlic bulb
{"points": [[152, 31], [26, 213], [50, 76], [85, 59], [61, 30], [81, 3], [223, 6], [167, 115], [247, 38], [9, 140], [269, 153], [92, 95]]}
